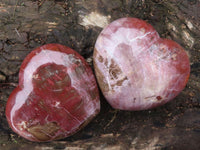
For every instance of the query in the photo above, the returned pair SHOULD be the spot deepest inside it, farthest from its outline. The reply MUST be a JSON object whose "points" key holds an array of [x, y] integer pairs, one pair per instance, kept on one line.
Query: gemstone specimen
{"points": [[135, 68], [56, 96]]}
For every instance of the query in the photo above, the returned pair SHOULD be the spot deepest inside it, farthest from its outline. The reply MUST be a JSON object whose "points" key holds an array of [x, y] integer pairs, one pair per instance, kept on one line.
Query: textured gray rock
{"points": [[27, 24]]}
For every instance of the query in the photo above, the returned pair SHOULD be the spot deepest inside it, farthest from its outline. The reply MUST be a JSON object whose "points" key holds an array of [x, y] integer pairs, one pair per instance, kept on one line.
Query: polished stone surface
{"points": [[135, 68], [56, 96]]}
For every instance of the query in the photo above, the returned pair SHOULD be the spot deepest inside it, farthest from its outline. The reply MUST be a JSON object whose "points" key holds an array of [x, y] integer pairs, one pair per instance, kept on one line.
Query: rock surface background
{"points": [[27, 24]]}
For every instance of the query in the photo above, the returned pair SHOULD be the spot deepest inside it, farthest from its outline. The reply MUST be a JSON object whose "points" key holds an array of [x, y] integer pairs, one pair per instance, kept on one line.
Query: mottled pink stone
{"points": [[135, 68], [57, 95]]}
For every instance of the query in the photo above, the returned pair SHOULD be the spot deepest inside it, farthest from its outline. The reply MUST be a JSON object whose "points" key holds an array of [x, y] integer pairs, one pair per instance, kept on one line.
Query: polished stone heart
{"points": [[57, 95], [135, 68]]}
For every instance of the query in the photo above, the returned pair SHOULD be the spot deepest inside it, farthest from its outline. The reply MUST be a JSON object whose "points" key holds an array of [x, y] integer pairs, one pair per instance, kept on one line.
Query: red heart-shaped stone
{"points": [[56, 96], [135, 68]]}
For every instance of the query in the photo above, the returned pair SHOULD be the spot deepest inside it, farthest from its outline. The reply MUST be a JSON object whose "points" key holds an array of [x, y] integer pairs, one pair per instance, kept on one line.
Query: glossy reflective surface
{"points": [[135, 68], [56, 96]]}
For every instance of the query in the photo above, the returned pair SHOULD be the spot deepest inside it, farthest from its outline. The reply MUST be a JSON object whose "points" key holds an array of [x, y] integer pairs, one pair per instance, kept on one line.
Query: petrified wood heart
{"points": [[135, 68], [56, 96]]}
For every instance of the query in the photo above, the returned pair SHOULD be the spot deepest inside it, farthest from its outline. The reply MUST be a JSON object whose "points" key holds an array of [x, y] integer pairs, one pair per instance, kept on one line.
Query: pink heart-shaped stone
{"points": [[135, 68]]}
